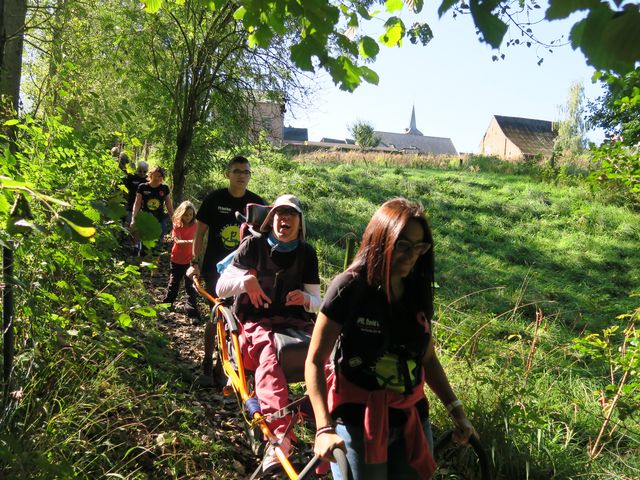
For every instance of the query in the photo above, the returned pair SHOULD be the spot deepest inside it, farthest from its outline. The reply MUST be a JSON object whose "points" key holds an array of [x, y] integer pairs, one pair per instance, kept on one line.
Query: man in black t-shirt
{"points": [[216, 216]]}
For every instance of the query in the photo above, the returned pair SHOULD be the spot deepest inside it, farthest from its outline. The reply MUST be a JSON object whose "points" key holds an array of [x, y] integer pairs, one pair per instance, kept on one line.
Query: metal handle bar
{"points": [[483, 459], [341, 460]]}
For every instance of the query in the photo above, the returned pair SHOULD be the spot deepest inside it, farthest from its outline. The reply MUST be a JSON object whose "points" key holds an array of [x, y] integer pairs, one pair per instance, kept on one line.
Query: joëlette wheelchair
{"points": [[292, 346]]}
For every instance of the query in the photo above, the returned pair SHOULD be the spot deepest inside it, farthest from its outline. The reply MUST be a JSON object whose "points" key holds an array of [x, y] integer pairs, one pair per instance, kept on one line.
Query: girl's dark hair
{"points": [[373, 259]]}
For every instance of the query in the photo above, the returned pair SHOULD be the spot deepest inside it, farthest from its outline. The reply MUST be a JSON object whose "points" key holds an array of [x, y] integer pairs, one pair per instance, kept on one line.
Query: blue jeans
{"points": [[397, 466]]}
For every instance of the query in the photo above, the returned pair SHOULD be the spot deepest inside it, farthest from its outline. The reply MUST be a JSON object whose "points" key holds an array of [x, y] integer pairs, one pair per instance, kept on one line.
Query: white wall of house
{"points": [[495, 142]]}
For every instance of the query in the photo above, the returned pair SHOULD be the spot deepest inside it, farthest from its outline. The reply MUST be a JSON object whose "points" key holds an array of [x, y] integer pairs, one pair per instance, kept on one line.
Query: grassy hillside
{"points": [[525, 270], [523, 267]]}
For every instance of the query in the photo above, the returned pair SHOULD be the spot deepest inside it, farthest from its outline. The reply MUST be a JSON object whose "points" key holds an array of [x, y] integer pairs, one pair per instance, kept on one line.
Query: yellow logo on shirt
{"points": [[153, 204], [230, 236]]}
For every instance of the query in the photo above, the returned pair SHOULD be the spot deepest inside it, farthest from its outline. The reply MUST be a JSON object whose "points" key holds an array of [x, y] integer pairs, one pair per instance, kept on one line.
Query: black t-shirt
{"points": [[153, 199], [376, 334], [132, 182], [218, 212]]}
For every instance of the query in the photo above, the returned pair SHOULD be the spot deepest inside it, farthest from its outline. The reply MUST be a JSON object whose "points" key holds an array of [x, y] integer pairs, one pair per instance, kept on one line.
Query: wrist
{"points": [[194, 262], [453, 405], [326, 429]]}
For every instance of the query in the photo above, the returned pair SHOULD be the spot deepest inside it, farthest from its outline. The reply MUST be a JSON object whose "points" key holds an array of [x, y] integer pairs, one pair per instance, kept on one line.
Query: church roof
{"points": [[418, 143]]}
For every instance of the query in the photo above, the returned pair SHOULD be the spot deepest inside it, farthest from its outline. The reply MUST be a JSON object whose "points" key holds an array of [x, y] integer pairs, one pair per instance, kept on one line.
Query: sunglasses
{"points": [[404, 246]]}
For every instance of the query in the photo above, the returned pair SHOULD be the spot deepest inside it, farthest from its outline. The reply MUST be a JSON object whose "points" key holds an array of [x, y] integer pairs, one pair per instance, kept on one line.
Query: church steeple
{"points": [[413, 129]]}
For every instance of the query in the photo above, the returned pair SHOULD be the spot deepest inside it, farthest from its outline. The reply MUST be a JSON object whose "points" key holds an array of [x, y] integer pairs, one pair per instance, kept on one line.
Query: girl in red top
{"points": [[184, 230]]}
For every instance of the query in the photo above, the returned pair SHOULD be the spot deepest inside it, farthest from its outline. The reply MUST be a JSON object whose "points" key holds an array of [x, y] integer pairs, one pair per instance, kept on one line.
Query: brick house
{"points": [[515, 138]]}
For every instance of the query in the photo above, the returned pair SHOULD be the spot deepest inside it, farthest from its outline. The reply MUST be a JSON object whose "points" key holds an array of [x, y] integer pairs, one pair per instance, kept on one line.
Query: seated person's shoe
{"points": [[206, 378], [270, 463]]}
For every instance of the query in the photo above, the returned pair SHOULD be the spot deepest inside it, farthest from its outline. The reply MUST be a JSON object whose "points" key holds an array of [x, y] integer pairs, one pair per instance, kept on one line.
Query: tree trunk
{"points": [[13, 14], [183, 144], [11, 39]]}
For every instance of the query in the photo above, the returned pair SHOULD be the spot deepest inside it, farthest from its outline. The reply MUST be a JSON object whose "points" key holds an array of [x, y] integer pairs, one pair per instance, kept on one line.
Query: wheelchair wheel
{"points": [[460, 462]]}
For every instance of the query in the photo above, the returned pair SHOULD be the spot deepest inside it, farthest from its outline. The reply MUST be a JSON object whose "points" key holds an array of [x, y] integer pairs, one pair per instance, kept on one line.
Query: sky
{"points": [[453, 84]]}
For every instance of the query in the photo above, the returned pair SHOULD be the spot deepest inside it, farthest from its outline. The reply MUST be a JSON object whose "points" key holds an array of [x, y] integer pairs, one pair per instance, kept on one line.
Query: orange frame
{"points": [[238, 380]]}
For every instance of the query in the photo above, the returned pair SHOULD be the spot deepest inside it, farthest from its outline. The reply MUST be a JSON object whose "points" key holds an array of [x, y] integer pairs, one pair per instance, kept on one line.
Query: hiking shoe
{"points": [[270, 462]]}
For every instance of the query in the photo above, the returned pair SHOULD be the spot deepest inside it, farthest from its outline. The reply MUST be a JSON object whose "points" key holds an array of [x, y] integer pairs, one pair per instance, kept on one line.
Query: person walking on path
{"points": [[183, 233], [216, 217], [370, 401], [153, 197]]}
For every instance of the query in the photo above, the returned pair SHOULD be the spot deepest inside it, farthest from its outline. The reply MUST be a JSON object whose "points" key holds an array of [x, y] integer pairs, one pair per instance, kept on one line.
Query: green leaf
{"points": [[78, 222], [393, 5], [610, 40], [50, 199], [369, 75], [152, 6], [445, 6], [124, 320], [563, 8], [89, 252], [490, 25], [145, 311], [147, 227], [301, 56], [368, 47], [107, 298], [239, 13], [11, 122], [394, 32], [5, 206]]}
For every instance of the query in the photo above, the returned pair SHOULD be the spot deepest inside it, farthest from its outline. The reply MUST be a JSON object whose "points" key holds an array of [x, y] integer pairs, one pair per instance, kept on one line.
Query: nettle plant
{"points": [[618, 348]]}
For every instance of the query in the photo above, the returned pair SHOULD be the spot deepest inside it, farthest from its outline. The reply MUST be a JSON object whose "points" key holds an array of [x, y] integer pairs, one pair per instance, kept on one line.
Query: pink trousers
{"points": [[259, 353]]}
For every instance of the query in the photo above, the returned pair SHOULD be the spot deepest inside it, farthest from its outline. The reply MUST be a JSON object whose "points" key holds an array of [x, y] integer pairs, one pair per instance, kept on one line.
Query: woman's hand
{"points": [[295, 297], [463, 430], [326, 443], [256, 295]]}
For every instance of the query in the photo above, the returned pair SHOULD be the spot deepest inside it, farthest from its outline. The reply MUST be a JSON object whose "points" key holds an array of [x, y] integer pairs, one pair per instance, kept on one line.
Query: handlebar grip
{"points": [[341, 460]]}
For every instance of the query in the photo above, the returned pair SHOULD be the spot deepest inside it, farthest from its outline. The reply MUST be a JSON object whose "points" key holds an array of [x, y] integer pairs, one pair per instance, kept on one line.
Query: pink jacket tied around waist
{"points": [[376, 422]]}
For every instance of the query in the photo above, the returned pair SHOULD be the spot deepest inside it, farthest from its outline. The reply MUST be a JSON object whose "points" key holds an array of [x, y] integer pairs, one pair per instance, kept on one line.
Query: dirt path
{"points": [[223, 421]]}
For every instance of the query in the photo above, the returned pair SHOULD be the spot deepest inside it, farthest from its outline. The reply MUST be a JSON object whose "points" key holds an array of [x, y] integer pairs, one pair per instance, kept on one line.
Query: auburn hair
{"points": [[373, 260]]}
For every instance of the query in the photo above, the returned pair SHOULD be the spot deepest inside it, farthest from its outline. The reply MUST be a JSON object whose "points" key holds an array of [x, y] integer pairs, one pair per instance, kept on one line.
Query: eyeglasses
{"points": [[287, 211], [241, 172], [404, 246], [142, 172]]}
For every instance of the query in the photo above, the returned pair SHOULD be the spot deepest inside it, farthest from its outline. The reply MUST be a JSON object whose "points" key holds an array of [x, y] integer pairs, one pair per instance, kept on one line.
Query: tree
{"points": [[364, 134], [617, 111], [207, 76], [571, 140], [332, 38]]}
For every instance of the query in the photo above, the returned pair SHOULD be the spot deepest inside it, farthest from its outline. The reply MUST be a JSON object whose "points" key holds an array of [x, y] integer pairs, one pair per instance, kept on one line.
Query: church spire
{"points": [[413, 129]]}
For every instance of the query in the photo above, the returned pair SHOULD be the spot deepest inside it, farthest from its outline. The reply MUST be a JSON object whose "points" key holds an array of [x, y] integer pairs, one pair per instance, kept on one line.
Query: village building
{"points": [[412, 140], [515, 138]]}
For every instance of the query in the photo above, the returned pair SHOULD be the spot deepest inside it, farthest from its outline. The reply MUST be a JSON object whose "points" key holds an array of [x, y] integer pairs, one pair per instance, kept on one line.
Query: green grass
{"points": [[510, 248]]}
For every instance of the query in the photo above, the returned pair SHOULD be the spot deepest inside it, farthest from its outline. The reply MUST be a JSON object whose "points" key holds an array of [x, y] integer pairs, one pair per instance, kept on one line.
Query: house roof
{"points": [[419, 143], [532, 137], [297, 134]]}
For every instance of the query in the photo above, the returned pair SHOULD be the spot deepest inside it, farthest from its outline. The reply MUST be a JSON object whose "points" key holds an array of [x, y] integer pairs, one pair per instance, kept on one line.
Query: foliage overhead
{"points": [[617, 111], [333, 37]]}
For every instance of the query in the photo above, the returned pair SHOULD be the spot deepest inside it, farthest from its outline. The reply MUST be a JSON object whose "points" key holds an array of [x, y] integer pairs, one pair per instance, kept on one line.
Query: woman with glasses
{"points": [[276, 283], [379, 312]]}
